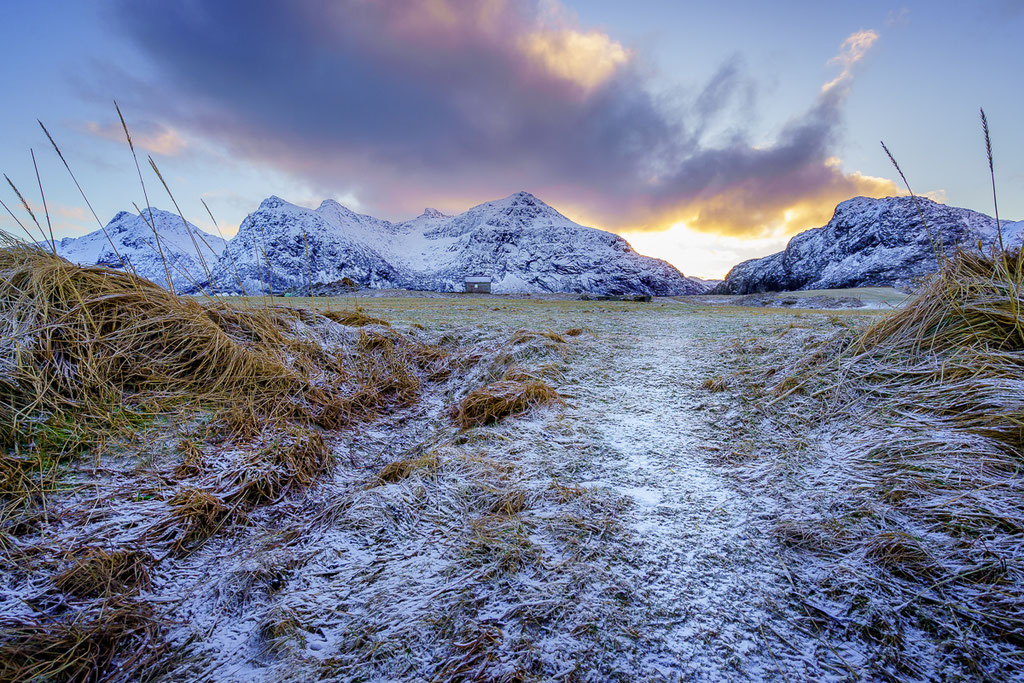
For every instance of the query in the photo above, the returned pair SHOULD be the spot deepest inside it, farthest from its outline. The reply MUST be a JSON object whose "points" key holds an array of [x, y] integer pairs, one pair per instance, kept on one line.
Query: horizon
{"points": [[218, 230], [701, 142]]}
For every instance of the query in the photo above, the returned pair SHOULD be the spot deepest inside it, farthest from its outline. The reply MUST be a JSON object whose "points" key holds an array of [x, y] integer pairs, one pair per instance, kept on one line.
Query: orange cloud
{"points": [[585, 59], [154, 138], [756, 209]]}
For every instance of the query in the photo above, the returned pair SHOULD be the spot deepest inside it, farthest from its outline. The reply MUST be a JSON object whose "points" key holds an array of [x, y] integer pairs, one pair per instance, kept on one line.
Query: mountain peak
{"points": [[522, 197], [432, 213], [272, 202], [335, 206]]}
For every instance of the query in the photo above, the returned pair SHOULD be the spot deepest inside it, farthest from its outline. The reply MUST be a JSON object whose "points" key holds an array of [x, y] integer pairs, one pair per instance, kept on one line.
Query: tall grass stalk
{"points": [[1002, 261], [270, 274], [31, 240], [309, 270], [188, 230], [145, 195], [936, 246], [992, 175], [126, 266], [49, 225], [151, 224], [234, 266], [259, 269], [25, 206]]}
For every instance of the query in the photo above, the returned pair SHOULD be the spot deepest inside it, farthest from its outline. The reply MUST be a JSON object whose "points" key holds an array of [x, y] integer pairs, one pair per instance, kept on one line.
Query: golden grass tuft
{"points": [[196, 514], [191, 464], [403, 469], [114, 641], [295, 456], [303, 454], [497, 401], [522, 336], [83, 339], [715, 384], [936, 392], [957, 348], [356, 318], [901, 554], [95, 572]]}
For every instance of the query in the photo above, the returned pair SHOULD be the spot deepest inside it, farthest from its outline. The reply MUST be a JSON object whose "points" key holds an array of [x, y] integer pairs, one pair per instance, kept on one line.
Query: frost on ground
{"points": [[642, 530]]}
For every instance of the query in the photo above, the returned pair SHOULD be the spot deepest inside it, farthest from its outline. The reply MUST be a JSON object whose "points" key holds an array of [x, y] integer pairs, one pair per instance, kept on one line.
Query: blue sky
{"points": [[706, 133]]}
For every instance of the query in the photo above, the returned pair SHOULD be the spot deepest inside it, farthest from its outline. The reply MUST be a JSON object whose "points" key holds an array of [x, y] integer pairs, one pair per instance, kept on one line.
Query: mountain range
{"points": [[522, 243]]}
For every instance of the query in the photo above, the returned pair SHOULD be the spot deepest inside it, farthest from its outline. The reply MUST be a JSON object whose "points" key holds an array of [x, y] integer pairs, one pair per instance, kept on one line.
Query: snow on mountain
{"points": [[281, 246], [869, 242], [136, 244], [520, 241]]}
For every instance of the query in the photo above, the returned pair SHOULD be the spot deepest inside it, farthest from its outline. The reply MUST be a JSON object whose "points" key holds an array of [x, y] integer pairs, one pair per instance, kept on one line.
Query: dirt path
{"points": [[701, 555]]}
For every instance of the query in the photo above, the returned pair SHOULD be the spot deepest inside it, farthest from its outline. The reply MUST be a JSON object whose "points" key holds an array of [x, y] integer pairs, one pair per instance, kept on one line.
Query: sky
{"points": [[704, 133]]}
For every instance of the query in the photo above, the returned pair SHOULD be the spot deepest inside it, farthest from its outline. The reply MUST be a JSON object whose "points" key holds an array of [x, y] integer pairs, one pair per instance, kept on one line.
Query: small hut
{"points": [[479, 285]]}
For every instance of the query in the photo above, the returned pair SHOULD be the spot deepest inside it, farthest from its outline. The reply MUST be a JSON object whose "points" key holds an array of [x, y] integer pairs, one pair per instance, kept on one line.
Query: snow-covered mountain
{"points": [[136, 245], [869, 242], [271, 247], [520, 241]]}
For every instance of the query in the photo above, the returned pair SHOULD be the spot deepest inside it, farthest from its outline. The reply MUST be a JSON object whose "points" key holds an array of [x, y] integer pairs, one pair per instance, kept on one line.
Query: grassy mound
{"points": [[499, 400], [158, 422], [933, 398], [957, 351], [82, 340], [354, 318]]}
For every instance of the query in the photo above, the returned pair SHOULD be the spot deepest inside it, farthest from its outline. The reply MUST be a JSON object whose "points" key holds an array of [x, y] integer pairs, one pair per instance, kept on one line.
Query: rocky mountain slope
{"points": [[869, 242], [136, 245], [281, 246], [524, 244]]}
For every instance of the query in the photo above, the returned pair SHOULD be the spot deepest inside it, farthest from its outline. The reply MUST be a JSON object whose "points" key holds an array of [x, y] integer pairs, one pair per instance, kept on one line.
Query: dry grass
{"points": [[933, 495], [113, 641], [91, 332], [522, 336], [95, 572], [503, 399], [196, 514], [293, 457], [354, 318], [192, 463], [403, 469], [715, 384]]}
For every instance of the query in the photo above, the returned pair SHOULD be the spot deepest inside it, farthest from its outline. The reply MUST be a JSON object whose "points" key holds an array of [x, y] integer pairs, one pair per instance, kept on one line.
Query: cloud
{"points": [[152, 137], [587, 60], [897, 17], [415, 102], [852, 51]]}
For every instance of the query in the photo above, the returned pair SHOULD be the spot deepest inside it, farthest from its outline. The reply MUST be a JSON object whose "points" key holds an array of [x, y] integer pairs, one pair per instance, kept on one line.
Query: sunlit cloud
{"points": [[416, 103], [154, 137], [586, 59], [65, 220], [852, 51]]}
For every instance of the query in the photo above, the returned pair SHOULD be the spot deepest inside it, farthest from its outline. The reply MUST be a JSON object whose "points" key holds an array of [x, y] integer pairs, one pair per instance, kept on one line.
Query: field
{"points": [[557, 489]]}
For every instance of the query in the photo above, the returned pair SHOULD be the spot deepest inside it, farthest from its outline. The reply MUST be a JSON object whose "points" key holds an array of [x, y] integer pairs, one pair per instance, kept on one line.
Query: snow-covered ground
{"points": [[635, 555], [629, 535]]}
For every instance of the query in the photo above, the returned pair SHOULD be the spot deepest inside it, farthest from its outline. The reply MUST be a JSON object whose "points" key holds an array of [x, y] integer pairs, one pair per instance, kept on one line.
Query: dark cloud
{"points": [[408, 101]]}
